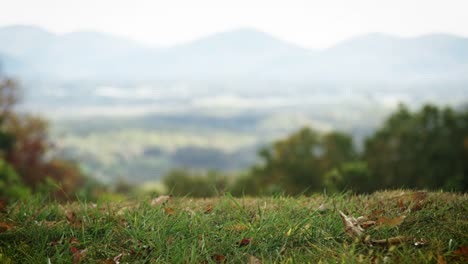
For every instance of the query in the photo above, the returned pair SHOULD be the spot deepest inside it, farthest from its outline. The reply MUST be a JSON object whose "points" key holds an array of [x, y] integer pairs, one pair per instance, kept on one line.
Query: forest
{"points": [[422, 149]]}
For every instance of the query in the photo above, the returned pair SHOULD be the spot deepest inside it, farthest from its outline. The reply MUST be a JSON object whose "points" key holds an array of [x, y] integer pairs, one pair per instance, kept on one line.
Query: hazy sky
{"points": [[308, 23]]}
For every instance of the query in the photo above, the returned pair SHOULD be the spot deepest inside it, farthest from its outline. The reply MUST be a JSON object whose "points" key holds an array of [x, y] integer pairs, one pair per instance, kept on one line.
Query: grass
{"points": [[239, 230]]}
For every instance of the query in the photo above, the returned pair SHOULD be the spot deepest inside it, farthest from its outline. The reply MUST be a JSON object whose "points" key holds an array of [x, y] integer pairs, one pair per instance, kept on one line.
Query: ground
{"points": [[385, 227]]}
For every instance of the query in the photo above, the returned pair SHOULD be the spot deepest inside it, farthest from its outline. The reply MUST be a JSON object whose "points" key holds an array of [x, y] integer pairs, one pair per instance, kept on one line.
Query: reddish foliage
{"points": [[245, 241]]}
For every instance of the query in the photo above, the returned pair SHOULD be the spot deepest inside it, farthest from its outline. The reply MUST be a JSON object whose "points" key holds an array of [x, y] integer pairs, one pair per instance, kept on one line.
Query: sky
{"points": [[308, 23]]}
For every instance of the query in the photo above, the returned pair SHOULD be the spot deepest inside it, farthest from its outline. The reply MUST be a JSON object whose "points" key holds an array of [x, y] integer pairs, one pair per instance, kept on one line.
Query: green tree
{"points": [[426, 149], [181, 182], [298, 163]]}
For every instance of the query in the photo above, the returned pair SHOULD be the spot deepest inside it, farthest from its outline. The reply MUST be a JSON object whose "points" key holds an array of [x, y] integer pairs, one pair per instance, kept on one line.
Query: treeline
{"points": [[27, 161], [426, 149]]}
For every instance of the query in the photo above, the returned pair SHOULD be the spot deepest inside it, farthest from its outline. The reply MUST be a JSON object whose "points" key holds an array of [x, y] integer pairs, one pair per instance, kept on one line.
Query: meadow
{"points": [[399, 226]]}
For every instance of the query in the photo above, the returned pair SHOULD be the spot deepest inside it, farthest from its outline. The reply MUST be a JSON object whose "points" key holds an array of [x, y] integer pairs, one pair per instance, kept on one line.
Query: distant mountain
{"points": [[243, 54]]}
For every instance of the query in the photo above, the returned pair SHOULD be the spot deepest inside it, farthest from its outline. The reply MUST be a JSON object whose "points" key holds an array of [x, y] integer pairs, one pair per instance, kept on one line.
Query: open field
{"points": [[396, 227]]}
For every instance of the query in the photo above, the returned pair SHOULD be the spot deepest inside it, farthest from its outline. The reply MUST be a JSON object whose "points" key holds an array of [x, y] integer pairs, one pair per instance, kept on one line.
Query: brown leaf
{"points": [[209, 208], [367, 224], [253, 260], [441, 260], [392, 222], [351, 225], [5, 227], [3, 204], [245, 241], [401, 204], [374, 214], [73, 220], [391, 241], [74, 240], [160, 200], [169, 211], [218, 258], [78, 255], [461, 254], [115, 260]]}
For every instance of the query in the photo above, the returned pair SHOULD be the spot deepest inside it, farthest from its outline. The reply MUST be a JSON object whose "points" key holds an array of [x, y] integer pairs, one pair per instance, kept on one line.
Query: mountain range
{"points": [[245, 54]]}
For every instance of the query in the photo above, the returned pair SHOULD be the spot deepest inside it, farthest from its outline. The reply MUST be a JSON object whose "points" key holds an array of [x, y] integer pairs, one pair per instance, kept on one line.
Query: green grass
{"points": [[270, 230]]}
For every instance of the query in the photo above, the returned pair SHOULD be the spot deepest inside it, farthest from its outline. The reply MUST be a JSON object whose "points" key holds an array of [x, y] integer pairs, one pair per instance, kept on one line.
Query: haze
{"points": [[311, 24]]}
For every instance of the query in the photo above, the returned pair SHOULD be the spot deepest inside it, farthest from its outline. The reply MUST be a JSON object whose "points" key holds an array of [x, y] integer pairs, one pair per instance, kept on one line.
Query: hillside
{"points": [[384, 227], [244, 54]]}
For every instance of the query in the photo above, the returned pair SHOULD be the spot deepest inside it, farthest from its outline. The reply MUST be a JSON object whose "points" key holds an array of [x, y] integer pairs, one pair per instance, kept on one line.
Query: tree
{"points": [[426, 149], [297, 164], [25, 146]]}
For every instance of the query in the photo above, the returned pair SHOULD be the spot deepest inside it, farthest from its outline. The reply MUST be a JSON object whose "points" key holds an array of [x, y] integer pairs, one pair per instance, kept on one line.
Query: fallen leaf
{"points": [[351, 225], [189, 211], [253, 260], [367, 224], [209, 208], [461, 250], [5, 227], [78, 255], [74, 240], [374, 214], [73, 249], [441, 260], [245, 241], [3, 204], [218, 258], [460, 254], [73, 220], [115, 260], [160, 200], [390, 241], [421, 242], [401, 204], [322, 208], [392, 222], [169, 211]]}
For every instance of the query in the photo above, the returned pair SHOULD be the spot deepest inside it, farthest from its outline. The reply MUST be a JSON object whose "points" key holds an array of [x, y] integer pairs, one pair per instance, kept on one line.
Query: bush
{"points": [[11, 186], [354, 176], [181, 182]]}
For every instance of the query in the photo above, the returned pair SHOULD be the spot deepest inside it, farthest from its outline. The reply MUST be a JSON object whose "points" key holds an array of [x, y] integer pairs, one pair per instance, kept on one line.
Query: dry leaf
{"points": [[322, 208], [169, 211], [392, 222], [74, 240], [253, 260], [78, 255], [461, 254], [209, 208], [374, 214], [5, 227], [351, 225], [367, 224], [441, 260], [189, 211], [160, 200], [391, 241], [245, 241], [3, 204], [218, 258], [421, 242], [401, 205], [73, 220]]}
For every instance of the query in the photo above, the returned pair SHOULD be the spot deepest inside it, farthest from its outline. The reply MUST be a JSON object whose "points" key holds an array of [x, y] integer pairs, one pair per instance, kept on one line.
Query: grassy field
{"points": [[395, 227]]}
